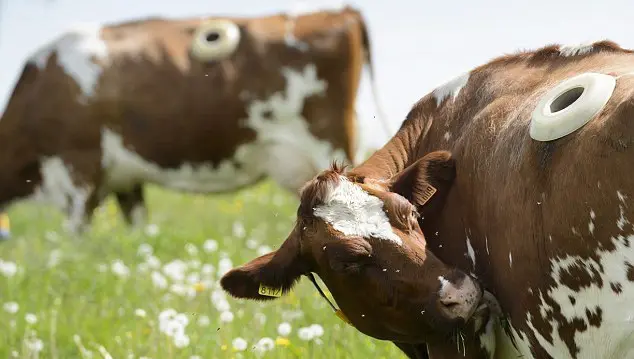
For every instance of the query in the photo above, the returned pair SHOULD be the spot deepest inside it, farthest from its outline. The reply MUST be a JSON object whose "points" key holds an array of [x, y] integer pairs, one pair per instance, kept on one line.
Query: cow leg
{"points": [[413, 351], [132, 205], [70, 181]]}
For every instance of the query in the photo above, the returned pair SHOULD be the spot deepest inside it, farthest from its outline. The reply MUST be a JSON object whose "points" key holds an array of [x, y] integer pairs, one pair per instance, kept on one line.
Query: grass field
{"points": [[153, 293]]}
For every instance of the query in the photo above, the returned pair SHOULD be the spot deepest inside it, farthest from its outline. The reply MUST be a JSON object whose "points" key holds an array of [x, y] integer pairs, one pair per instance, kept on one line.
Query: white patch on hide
{"points": [[59, 189], [451, 88], [447, 136], [591, 223], [295, 156], [76, 51], [443, 285], [615, 337], [124, 168], [486, 241], [510, 259], [354, 212], [578, 49], [487, 338], [471, 252], [284, 148]]}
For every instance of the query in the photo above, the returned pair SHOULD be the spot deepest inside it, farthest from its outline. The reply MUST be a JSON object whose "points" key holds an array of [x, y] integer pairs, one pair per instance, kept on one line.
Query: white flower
{"points": [[193, 278], [30, 318], [195, 357], [181, 319], [191, 249], [8, 269], [34, 345], [264, 344], [119, 268], [204, 321], [238, 230], [284, 329], [262, 250], [210, 245], [222, 305], [224, 265], [207, 269], [317, 329], [152, 230], [181, 340], [251, 243], [145, 250], [305, 333], [152, 262], [175, 270], [11, 307], [239, 344], [167, 314], [159, 280], [54, 258], [139, 313], [226, 317]]}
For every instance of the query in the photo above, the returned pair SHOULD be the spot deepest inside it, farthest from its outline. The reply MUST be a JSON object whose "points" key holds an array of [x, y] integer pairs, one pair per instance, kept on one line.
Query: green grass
{"points": [[69, 285]]}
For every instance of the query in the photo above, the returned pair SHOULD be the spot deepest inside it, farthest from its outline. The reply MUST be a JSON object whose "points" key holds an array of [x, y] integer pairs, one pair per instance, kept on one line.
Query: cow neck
{"points": [[338, 312]]}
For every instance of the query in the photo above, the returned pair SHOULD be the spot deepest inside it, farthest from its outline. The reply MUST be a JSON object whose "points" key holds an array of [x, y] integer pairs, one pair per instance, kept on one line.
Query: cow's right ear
{"points": [[426, 182], [268, 276]]}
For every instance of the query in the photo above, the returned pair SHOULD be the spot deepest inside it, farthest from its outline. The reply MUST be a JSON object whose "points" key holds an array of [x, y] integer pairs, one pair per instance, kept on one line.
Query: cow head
{"points": [[365, 243]]}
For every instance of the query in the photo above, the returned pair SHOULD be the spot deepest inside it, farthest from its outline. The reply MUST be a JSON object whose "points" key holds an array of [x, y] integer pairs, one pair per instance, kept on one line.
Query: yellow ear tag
{"points": [[269, 291], [342, 316], [427, 194]]}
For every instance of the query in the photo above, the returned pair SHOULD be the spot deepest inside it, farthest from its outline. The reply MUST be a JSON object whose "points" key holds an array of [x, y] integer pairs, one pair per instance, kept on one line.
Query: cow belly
{"points": [[124, 168]]}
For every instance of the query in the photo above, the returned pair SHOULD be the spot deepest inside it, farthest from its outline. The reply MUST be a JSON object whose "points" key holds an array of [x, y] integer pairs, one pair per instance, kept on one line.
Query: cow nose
{"points": [[458, 299]]}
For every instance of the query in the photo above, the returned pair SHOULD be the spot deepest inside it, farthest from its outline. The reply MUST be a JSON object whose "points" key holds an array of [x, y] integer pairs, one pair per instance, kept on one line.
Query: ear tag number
{"points": [[342, 316], [269, 291], [428, 192]]}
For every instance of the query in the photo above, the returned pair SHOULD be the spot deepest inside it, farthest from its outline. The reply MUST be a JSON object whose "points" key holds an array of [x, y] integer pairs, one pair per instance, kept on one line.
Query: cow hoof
{"points": [[570, 105]]}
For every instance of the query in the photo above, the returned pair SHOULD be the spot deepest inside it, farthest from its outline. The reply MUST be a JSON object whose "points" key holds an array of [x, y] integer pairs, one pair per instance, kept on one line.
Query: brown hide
{"points": [[547, 223]]}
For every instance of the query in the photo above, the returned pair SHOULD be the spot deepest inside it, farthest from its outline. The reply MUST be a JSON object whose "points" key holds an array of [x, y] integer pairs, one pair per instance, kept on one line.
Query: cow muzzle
{"points": [[459, 299]]}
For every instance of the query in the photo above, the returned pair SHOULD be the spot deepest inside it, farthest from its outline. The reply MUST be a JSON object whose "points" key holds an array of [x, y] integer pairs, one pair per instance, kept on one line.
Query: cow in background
{"points": [[206, 105]]}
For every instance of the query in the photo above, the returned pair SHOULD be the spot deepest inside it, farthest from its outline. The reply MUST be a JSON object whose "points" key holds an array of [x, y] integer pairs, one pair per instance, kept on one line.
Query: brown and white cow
{"points": [[364, 242], [540, 209], [201, 105]]}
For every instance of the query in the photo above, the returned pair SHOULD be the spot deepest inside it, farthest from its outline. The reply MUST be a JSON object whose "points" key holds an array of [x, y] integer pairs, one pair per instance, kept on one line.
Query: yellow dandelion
{"points": [[223, 347], [283, 342], [199, 287]]}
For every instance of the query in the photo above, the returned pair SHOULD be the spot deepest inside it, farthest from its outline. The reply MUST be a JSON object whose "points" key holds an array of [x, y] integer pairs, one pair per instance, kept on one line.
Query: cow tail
{"points": [[368, 60]]}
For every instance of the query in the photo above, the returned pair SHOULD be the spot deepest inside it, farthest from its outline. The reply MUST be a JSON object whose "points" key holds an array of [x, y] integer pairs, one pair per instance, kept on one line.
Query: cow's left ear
{"points": [[268, 276], [426, 182]]}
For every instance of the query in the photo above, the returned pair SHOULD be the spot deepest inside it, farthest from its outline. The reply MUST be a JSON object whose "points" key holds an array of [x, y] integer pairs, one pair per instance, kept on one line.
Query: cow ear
{"points": [[426, 182], [268, 276]]}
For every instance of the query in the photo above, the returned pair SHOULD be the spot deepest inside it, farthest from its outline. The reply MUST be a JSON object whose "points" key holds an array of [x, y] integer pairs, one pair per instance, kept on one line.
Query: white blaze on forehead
{"points": [[577, 49], [78, 51], [354, 212], [451, 88]]}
